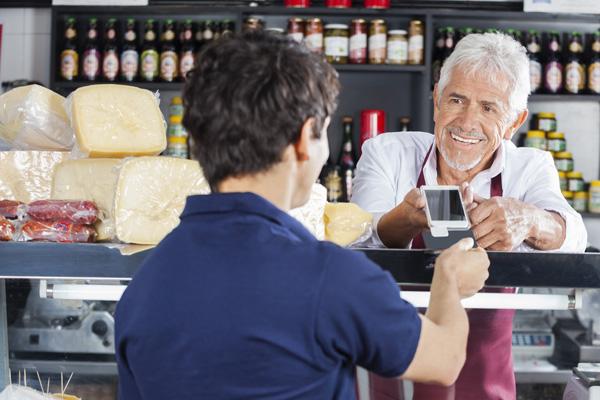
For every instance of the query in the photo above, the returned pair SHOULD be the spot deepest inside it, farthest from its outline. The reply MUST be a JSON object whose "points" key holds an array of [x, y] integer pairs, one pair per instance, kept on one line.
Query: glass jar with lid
{"points": [[546, 122], [580, 201], [556, 142], [377, 41], [536, 139], [336, 43], [397, 47], [416, 42], [564, 161], [594, 197], [562, 179], [575, 181], [568, 196]]}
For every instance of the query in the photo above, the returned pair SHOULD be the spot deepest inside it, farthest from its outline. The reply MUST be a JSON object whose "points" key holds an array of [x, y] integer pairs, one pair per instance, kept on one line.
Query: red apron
{"points": [[488, 372]]}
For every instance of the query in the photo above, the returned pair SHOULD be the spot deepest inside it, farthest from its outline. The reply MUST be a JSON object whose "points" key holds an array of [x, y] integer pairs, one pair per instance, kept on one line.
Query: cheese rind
{"points": [[116, 121], [34, 118], [27, 175], [140, 199], [345, 223]]}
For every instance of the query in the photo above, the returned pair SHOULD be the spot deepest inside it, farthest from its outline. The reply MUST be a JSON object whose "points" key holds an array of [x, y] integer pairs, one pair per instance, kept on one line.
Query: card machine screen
{"points": [[445, 205]]}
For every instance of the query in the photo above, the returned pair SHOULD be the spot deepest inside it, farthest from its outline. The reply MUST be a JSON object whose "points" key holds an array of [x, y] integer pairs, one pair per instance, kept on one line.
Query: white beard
{"points": [[455, 163]]}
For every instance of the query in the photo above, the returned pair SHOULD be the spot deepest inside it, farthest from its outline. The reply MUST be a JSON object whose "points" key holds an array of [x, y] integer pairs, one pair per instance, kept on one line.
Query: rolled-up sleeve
{"points": [[544, 192]]}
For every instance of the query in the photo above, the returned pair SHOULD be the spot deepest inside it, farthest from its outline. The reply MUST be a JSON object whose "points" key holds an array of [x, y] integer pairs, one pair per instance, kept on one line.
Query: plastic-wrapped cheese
{"points": [[140, 199], [346, 223], [34, 118], [311, 214], [116, 121], [27, 175]]}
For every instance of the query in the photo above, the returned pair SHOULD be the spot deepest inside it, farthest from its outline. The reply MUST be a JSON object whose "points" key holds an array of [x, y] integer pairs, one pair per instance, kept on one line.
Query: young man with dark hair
{"points": [[240, 301]]}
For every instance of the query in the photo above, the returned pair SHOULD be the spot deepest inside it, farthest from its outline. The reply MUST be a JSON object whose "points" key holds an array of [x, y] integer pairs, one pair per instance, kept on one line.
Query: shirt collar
{"points": [[497, 167], [243, 203]]}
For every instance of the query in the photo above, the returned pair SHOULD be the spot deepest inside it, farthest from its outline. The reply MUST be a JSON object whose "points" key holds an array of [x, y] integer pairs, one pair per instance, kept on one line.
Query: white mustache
{"points": [[469, 135]]}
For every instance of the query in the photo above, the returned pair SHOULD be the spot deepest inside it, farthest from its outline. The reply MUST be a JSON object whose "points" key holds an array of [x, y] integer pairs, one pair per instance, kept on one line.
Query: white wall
{"points": [[25, 44]]}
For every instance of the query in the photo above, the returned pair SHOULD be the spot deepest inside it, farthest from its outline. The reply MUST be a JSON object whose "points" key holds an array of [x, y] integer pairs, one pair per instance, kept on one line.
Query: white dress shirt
{"points": [[390, 165]]}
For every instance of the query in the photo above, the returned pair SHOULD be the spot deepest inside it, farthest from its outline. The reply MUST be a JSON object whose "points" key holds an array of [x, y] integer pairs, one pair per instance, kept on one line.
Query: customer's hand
{"points": [[465, 265]]}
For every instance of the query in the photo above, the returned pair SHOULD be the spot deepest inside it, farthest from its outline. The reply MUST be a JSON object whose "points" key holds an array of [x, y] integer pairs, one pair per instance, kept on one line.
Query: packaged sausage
{"points": [[11, 209], [57, 231], [78, 212], [7, 229]]}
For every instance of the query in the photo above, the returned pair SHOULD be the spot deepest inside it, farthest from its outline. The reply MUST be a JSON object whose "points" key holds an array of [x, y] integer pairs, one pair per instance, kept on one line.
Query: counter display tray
{"points": [[97, 261]]}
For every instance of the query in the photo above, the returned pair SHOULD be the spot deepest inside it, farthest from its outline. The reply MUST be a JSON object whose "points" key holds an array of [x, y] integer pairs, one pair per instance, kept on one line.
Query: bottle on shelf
{"points": [[333, 183], [347, 161], [91, 53], [227, 27], [449, 44], [574, 67], [198, 36], [438, 53], [186, 62], [69, 57], [208, 33], [416, 45], [149, 58], [462, 33], [110, 57], [169, 60], [553, 69], [404, 124], [535, 63], [594, 66], [129, 53]]}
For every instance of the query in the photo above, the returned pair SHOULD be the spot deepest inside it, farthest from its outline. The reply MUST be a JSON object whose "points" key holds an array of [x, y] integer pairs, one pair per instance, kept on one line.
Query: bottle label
{"points": [[336, 46], [533, 47], [297, 36], [168, 65], [69, 61], [130, 36], [553, 77], [149, 65], [129, 64], [398, 51], [358, 46], [187, 63], [91, 64], [208, 34], [596, 46], [377, 47], [594, 77], [554, 46], [575, 47], [415, 49], [110, 65], [535, 75], [574, 77], [314, 42]]}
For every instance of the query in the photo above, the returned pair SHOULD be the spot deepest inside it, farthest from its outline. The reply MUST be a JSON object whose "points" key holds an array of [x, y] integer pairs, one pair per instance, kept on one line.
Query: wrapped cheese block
{"points": [[34, 118], [140, 199], [116, 121], [311, 214], [26, 176], [346, 223]]}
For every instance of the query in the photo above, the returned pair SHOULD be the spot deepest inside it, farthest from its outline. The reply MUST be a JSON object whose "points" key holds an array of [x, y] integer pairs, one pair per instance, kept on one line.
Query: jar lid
{"points": [[575, 175], [563, 154], [176, 101], [581, 195], [274, 30], [177, 139], [536, 134], [563, 174], [397, 32], [556, 135], [546, 115], [567, 195], [175, 119], [336, 26], [595, 183]]}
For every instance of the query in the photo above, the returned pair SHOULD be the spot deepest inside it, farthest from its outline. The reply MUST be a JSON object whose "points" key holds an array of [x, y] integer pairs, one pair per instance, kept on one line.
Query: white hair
{"points": [[492, 55]]}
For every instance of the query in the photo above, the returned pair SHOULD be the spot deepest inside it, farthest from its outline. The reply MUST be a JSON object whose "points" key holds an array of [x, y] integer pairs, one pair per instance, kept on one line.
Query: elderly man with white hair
{"points": [[515, 200]]}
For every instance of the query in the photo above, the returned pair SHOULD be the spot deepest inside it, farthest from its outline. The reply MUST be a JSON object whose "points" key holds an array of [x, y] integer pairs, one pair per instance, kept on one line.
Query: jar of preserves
{"points": [[295, 29], [397, 47], [253, 23], [564, 161], [177, 147], [358, 41], [313, 35], [562, 179], [569, 197], [536, 139], [377, 41], [580, 201], [556, 142], [546, 122], [415, 42], [575, 181], [336, 43], [594, 198]]}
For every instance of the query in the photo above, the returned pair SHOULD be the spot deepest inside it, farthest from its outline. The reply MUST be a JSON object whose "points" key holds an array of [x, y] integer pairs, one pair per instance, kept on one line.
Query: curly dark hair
{"points": [[248, 98]]}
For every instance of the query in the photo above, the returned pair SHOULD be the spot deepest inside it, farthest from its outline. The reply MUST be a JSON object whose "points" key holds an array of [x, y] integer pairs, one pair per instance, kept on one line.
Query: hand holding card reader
{"points": [[447, 217]]}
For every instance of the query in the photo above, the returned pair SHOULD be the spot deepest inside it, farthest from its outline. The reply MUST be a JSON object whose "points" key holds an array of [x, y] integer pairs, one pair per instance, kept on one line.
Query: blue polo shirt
{"points": [[240, 301]]}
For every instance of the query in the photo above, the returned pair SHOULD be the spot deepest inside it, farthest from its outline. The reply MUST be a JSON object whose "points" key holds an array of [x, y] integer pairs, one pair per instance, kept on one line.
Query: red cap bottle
{"points": [[372, 123], [297, 3], [377, 3]]}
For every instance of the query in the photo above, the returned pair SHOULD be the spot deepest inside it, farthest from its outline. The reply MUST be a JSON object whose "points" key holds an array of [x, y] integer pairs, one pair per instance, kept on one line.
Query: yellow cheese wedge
{"points": [[117, 121], [345, 223], [27, 175]]}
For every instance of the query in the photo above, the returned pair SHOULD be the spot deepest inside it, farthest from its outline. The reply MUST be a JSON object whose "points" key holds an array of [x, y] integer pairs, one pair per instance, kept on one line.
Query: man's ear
{"points": [[522, 117], [302, 144]]}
